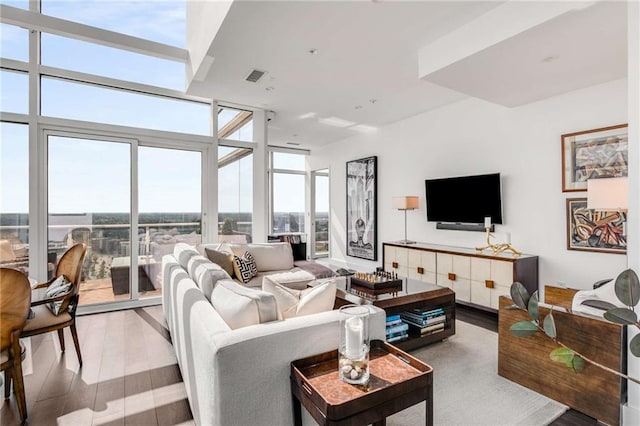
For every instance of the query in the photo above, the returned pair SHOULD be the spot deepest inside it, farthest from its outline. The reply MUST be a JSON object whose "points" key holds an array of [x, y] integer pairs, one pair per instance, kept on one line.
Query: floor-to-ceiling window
{"points": [[288, 192], [99, 143], [320, 213], [235, 175]]}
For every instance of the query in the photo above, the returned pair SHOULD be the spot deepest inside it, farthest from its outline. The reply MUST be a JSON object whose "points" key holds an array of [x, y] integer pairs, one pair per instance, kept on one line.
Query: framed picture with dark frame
{"points": [[593, 154], [595, 230], [362, 200]]}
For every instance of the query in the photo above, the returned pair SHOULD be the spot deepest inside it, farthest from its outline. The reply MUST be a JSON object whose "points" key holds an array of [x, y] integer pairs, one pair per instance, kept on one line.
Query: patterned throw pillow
{"points": [[58, 287], [245, 267]]}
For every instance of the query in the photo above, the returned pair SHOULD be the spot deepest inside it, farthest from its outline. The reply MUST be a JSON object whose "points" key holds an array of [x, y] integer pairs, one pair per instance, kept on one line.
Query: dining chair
{"points": [[15, 298], [44, 320]]}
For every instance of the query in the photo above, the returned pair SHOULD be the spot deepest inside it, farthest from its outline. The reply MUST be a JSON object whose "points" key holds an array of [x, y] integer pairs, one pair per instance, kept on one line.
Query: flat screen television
{"points": [[464, 199]]}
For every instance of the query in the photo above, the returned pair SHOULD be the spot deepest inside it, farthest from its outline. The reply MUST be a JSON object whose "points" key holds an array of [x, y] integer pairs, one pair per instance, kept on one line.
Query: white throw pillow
{"points": [[240, 306], [296, 303]]}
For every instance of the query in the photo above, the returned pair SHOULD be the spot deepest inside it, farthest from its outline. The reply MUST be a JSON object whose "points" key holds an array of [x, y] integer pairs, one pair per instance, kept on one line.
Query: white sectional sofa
{"points": [[238, 376], [271, 259]]}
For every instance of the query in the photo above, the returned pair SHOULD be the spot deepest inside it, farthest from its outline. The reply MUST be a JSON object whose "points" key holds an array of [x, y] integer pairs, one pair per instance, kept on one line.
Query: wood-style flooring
{"points": [[129, 377], [130, 374]]}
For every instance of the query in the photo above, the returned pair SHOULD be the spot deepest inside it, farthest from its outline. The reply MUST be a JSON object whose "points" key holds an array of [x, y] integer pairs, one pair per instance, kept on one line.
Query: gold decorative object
{"points": [[497, 248]]}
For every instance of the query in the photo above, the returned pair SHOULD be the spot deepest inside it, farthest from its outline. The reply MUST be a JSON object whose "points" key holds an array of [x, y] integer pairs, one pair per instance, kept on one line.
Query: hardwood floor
{"points": [[130, 375]]}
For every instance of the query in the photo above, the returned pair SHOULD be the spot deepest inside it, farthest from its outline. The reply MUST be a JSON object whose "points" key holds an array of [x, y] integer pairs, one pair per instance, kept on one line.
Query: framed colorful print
{"points": [[362, 208], [595, 230], [593, 154]]}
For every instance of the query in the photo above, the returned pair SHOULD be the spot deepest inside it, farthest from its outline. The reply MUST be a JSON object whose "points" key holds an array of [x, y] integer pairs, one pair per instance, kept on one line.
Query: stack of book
{"points": [[396, 329], [425, 321]]}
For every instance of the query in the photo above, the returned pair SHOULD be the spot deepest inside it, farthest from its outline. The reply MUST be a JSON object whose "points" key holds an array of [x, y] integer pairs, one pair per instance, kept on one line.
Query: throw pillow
{"points": [[58, 287], [296, 303], [245, 267], [225, 260], [241, 306]]}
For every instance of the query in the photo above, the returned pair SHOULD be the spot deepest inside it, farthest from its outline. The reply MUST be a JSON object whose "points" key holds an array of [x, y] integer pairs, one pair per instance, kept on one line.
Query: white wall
{"points": [[472, 137]]}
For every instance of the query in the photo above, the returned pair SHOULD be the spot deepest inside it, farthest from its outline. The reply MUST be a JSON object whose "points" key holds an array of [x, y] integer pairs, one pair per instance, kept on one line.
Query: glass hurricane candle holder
{"points": [[353, 365]]}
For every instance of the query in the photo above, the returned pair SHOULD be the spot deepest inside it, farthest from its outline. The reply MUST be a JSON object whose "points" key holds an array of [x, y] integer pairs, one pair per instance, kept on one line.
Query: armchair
{"points": [[15, 298], [44, 321]]}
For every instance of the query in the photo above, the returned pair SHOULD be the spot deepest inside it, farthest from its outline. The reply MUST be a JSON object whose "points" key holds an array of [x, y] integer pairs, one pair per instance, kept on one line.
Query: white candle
{"points": [[353, 339], [487, 222], [507, 237]]}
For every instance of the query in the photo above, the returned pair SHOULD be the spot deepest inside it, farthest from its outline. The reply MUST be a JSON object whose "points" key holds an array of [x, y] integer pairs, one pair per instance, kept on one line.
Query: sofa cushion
{"points": [[206, 274], [296, 303], [244, 267], [183, 252], [297, 278], [240, 306], [221, 257], [268, 256]]}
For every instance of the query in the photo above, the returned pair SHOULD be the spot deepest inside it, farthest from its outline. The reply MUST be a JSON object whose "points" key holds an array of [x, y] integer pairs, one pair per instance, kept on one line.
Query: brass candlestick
{"points": [[497, 248]]}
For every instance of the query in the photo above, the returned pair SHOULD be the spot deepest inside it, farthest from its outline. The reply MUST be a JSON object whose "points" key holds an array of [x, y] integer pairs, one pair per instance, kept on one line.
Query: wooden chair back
{"points": [[15, 299], [70, 265]]}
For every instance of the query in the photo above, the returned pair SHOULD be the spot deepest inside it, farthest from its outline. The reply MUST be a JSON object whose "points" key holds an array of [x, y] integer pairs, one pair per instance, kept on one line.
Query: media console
{"points": [[478, 279]]}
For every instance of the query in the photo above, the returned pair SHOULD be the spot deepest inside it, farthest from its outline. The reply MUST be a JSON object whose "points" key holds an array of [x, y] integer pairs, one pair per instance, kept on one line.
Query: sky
{"points": [[94, 176]]}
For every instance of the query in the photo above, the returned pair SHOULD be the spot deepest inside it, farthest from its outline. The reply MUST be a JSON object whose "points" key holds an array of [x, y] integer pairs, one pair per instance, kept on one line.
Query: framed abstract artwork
{"points": [[362, 203], [594, 230], [593, 154]]}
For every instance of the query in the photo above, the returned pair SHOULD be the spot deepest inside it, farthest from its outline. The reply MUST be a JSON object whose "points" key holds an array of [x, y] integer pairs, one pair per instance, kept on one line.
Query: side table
{"points": [[397, 381]]}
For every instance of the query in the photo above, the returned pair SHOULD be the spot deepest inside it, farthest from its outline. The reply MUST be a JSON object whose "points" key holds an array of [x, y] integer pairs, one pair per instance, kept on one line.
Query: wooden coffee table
{"points": [[411, 295], [397, 381]]}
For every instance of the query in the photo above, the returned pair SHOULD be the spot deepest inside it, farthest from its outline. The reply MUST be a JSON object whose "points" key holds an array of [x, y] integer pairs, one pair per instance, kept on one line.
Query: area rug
{"points": [[468, 390]]}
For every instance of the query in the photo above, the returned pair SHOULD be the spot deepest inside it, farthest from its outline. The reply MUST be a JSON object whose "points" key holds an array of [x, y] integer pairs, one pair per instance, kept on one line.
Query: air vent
{"points": [[255, 75], [293, 143]]}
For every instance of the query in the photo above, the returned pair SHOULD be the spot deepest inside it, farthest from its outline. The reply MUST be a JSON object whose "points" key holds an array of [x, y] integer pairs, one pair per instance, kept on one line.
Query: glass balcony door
{"points": [[89, 201], [131, 201], [320, 213]]}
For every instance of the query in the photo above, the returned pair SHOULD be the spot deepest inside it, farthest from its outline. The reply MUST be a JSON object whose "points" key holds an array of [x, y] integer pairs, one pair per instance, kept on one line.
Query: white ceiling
{"points": [[369, 51]]}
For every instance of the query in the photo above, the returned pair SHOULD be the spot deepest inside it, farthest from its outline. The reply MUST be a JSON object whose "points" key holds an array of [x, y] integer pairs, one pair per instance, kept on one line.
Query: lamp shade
{"points": [[607, 193], [405, 203]]}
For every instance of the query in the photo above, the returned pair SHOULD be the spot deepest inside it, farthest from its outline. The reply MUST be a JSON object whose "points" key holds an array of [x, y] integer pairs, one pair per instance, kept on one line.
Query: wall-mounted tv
{"points": [[464, 199]]}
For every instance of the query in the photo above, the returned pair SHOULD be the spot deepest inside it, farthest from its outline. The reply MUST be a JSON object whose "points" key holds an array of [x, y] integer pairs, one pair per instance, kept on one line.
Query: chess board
{"points": [[378, 283]]}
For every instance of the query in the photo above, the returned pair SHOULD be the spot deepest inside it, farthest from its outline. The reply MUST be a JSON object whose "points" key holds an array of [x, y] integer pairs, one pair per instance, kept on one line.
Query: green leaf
{"points": [[634, 345], [577, 364], [523, 329], [532, 307], [622, 316], [564, 355], [627, 288], [511, 307], [520, 295], [549, 325]]}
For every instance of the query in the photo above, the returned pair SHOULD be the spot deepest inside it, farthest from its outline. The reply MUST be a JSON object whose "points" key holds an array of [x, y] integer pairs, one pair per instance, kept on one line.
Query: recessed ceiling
{"points": [[369, 51]]}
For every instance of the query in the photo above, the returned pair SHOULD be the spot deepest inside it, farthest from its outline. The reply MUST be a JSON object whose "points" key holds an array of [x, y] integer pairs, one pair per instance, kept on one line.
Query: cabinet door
{"points": [[480, 274], [496, 293], [397, 256], [422, 266], [502, 272], [455, 272]]}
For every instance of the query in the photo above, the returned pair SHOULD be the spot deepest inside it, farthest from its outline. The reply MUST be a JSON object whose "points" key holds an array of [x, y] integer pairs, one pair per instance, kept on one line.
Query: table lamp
{"points": [[609, 194], [405, 203]]}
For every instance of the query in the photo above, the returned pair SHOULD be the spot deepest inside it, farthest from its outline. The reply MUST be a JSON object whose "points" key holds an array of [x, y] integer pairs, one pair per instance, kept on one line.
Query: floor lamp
{"points": [[405, 203]]}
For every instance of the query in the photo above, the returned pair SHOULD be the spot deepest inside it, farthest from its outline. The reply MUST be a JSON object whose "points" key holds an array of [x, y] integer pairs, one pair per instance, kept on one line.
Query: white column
{"points": [[260, 177], [210, 183], [631, 412]]}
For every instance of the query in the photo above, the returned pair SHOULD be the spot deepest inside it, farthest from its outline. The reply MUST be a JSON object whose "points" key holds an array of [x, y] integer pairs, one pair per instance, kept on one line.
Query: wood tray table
{"points": [[397, 381]]}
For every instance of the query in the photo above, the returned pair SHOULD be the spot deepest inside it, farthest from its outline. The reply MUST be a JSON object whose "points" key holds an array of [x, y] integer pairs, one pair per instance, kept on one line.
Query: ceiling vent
{"points": [[255, 75]]}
